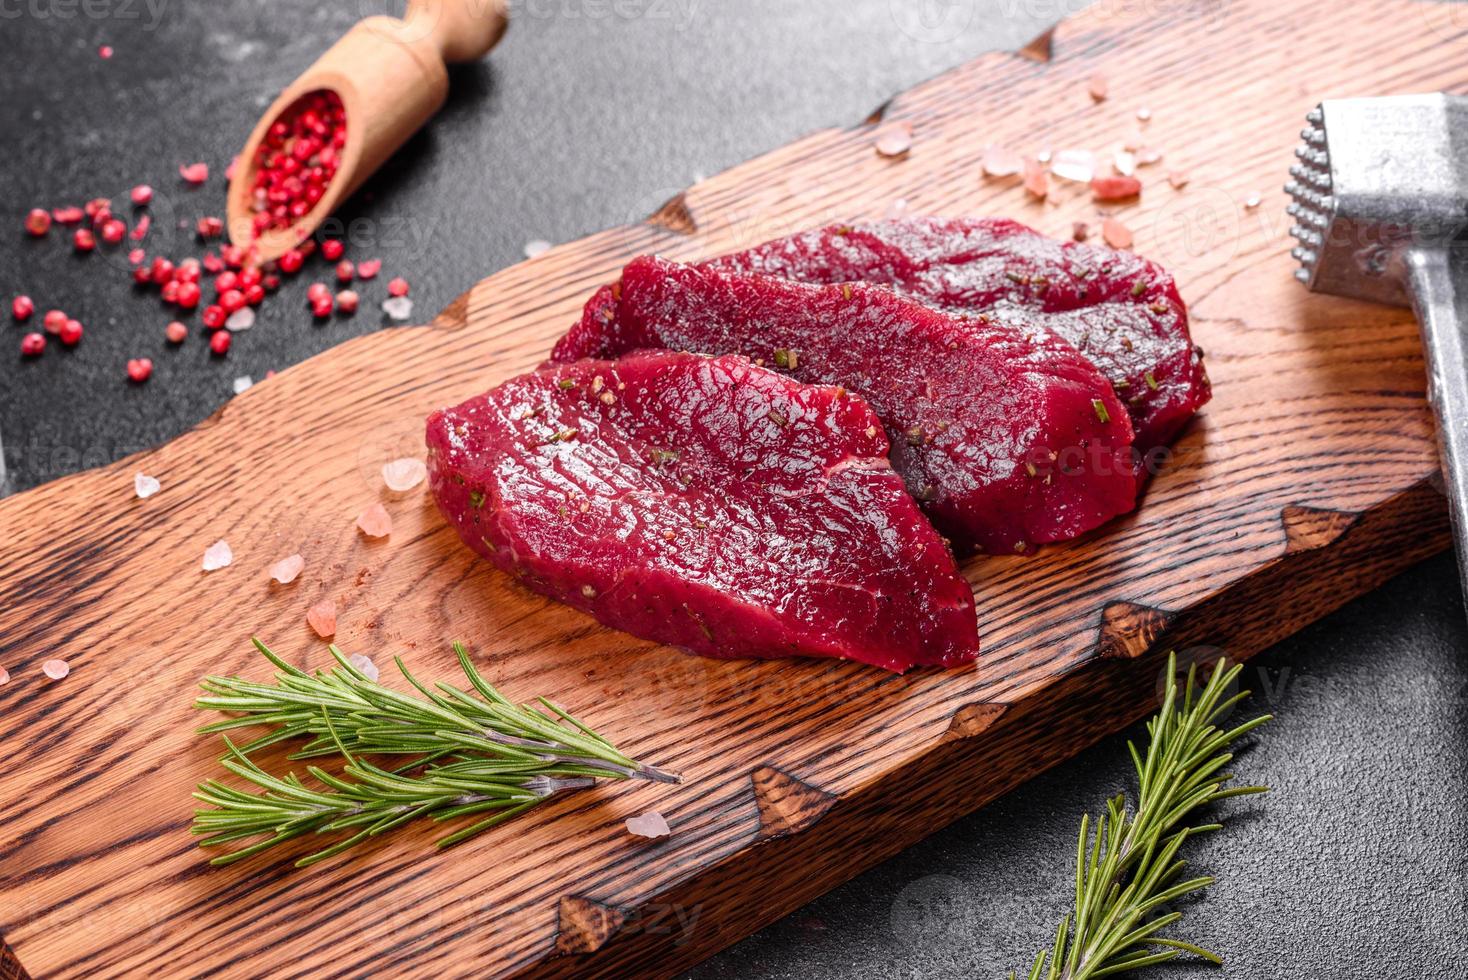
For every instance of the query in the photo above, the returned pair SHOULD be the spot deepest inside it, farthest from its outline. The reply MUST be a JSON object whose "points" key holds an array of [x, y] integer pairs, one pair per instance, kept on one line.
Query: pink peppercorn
{"points": [[368, 268], [332, 249], [398, 287], [291, 261], [37, 222], [162, 270], [139, 369], [188, 294], [136, 256], [345, 271], [54, 321], [219, 343], [214, 316], [176, 332], [68, 215], [321, 308], [71, 333], [113, 231], [317, 291], [83, 240], [32, 344], [255, 295], [22, 307], [210, 227], [169, 293], [232, 300], [142, 194], [346, 301]]}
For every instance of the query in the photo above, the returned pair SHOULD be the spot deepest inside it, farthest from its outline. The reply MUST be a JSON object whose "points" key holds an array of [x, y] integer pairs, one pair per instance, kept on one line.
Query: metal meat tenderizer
{"points": [[1381, 210]]}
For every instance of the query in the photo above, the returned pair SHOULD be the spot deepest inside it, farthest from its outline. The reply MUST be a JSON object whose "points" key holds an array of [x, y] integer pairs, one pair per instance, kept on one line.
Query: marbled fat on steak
{"points": [[1005, 434], [706, 503], [1118, 309]]}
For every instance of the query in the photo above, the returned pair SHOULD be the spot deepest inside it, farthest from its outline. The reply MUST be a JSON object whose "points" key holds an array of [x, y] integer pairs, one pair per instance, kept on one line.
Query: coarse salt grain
{"points": [[241, 319], [1251, 202], [1144, 114], [56, 669], [4, 677], [1098, 87], [322, 618], [1116, 234], [217, 556], [402, 475], [145, 486], [1124, 162], [375, 522], [537, 246], [1178, 178], [1000, 162], [894, 140], [649, 824], [242, 384], [364, 663], [1037, 179], [896, 209], [1074, 165], [398, 307], [286, 570]]}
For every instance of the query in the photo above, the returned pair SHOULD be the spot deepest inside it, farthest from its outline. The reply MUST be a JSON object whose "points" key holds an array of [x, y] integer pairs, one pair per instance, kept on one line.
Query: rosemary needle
{"points": [[474, 753], [1128, 870]]}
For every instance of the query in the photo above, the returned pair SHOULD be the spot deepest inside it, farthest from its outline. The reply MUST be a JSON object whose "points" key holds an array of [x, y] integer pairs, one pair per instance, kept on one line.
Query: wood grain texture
{"points": [[1307, 481]]}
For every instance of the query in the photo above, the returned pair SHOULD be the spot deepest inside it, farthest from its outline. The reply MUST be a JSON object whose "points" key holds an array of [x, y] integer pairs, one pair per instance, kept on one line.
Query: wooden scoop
{"points": [[391, 78]]}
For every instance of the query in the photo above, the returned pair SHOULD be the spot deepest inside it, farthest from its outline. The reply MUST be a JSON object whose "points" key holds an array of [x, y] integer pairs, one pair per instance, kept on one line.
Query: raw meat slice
{"points": [[1005, 433], [1118, 309], [707, 503]]}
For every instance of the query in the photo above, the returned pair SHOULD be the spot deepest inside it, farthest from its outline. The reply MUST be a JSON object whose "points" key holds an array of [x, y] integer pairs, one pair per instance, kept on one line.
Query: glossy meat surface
{"points": [[1005, 434], [706, 503], [1118, 309]]}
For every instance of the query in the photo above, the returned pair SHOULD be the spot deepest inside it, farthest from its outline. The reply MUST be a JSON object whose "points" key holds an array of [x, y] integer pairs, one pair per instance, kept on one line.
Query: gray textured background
{"points": [[590, 114]]}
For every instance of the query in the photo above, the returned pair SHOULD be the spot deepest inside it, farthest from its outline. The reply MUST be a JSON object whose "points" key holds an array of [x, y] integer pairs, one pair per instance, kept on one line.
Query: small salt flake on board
{"points": [[1001, 162], [1252, 201], [375, 522], [894, 140], [1147, 156], [242, 384], [398, 307], [322, 618], [536, 246], [402, 475], [241, 319], [1078, 166], [4, 677], [364, 663], [649, 824], [1116, 234], [1144, 114], [288, 569], [218, 555], [194, 173], [1037, 179], [56, 669], [1178, 178], [1098, 87], [145, 486], [1124, 162], [897, 208]]}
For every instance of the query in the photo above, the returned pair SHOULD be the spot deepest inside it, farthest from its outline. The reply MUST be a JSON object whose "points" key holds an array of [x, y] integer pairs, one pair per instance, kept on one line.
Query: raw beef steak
{"points": [[707, 503], [1119, 310], [1004, 432]]}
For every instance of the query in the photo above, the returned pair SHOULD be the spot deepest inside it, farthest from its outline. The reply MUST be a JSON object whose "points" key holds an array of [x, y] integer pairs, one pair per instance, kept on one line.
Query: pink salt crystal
{"points": [[56, 669], [1098, 87], [322, 618], [217, 556], [1124, 163], [537, 246], [894, 140], [375, 522], [4, 677], [1116, 234], [1147, 156], [402, 475], [286, 570], [1178, 178], [145, 486], [1037, 179], [1075, 165], [649, 824], [364, 663], [999, 162]]}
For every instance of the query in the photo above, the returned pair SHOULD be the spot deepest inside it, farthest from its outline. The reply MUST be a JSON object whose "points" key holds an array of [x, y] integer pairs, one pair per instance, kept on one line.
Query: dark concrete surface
{"points": [[590, 114]]}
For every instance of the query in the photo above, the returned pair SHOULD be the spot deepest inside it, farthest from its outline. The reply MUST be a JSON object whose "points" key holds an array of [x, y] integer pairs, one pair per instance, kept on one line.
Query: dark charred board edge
{"points": [[10, 968]]}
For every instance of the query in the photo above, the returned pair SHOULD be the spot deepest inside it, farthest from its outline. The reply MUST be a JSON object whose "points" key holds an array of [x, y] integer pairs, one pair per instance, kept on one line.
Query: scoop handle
{"points": [[461, 30]]}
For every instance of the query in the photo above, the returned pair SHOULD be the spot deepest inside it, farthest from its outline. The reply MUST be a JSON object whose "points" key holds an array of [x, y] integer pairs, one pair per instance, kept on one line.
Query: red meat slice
{"points": [[1118, 309], [1004, 432], [706, 503]]}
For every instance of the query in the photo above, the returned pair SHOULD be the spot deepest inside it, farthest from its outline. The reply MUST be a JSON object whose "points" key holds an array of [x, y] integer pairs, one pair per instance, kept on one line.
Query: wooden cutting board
{"points": [[1308, 480]]}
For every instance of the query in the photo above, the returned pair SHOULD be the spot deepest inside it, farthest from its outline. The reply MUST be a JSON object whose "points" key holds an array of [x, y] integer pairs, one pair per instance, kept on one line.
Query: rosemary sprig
{"points": [[1128, 869], [474, 753]]}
